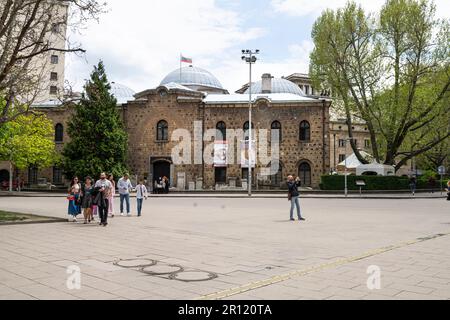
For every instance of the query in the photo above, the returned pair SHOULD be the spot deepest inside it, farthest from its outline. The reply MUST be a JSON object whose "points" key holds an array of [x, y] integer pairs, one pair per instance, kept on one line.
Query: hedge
{"points": [[391, 183]]}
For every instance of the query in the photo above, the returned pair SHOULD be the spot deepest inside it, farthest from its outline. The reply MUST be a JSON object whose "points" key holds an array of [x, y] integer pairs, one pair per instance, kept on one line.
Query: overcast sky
{"points": [[140, 41]]}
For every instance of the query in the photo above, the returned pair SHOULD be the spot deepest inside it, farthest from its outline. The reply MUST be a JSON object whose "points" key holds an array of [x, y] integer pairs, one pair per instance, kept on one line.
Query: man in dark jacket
{"points": [[294, 195], [103, 187]]}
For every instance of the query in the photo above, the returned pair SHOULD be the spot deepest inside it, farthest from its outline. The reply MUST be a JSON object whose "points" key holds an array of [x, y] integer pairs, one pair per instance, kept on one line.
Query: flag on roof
{"points": [[186, 60]]}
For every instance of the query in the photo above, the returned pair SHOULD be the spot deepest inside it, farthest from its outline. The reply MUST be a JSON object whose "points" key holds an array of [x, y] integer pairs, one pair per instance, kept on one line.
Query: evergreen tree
{"points": [[98, 138]]}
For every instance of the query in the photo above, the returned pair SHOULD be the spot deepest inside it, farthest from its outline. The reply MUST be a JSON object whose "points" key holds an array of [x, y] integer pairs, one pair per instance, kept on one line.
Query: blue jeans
{"points": [[295, 203], [139, 206], [125, 197]]}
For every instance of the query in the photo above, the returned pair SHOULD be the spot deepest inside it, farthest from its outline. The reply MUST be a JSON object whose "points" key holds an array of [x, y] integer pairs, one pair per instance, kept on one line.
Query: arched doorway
{"points": [[161, 169], [304, 172], [276, 180], [4, 176]]}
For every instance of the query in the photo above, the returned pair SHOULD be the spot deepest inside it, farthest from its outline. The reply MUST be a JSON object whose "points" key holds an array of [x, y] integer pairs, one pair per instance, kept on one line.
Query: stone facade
{"points": [[339, 148], [181, 107]]}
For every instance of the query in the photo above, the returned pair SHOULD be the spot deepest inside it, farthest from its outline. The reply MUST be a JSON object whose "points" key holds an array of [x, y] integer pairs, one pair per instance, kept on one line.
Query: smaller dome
{"points": [[278, 86], [122, 93]]}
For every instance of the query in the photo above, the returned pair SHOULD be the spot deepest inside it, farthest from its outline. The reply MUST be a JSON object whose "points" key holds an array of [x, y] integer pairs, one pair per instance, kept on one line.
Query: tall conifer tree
{"points": [[98, 137]]}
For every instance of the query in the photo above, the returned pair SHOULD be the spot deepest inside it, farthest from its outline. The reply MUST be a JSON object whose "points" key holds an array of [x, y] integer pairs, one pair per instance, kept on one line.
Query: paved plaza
{"points": [[247, 249]]}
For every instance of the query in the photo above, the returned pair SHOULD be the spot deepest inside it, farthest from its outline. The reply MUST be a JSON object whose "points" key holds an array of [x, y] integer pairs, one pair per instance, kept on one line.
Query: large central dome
{"points": [[194, 78], [278, 86]]}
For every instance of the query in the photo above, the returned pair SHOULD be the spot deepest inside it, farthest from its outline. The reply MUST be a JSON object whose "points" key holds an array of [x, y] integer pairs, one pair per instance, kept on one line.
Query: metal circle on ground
{"points": [[193, 276], [162, 269], [135, 263]]}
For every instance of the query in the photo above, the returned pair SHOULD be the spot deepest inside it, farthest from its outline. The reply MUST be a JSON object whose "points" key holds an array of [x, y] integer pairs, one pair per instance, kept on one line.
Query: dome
{"points": [[122, 93], [278, 86], [194, 78]]}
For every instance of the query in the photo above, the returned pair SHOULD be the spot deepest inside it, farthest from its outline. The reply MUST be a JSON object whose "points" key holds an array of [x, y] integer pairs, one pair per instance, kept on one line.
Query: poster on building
{"points": [[245, 154], [220, 154]]}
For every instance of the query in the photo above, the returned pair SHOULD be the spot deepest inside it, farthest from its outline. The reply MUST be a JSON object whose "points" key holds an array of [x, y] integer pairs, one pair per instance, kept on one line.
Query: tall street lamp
{"points": [[249, 57], [346, 170]]}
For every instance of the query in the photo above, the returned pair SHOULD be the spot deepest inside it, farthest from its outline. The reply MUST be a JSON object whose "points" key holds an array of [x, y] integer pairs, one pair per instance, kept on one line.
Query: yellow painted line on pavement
{"points": [[303, 272]]}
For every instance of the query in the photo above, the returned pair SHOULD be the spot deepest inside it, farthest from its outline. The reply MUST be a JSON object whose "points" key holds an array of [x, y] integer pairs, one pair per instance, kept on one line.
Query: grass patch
{"points": [[12, 217], [7, 217]]}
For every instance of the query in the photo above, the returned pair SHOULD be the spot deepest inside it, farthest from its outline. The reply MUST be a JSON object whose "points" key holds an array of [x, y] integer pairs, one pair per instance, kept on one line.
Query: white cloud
{"points": [[314, 8], [140, 41]]}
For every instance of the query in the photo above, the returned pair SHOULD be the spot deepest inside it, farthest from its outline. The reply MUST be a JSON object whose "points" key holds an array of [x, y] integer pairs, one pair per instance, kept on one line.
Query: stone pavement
{"points": [[257, 195], [247, 246]]}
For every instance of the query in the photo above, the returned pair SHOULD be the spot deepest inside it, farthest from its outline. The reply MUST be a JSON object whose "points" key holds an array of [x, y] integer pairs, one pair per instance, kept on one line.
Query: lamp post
{"points": [[249, 57], [346, 172]]}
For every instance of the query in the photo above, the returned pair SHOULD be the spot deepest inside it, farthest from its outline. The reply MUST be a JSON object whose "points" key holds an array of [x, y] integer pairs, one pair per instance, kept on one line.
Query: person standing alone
{"points": [[294, 195], [125, 187], [141, 195]]}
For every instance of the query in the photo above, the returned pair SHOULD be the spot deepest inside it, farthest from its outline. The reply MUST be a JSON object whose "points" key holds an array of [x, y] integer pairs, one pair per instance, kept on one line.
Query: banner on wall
{"points": [[245, 154], [220, 154]]}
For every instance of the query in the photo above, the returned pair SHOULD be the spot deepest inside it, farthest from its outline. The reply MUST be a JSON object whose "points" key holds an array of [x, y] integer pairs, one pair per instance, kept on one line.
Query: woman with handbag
{"points": [[86, 202], [74, 200]]}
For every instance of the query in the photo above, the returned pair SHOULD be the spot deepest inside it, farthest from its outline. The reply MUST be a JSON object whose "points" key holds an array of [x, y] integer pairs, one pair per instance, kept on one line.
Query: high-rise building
{"points": [[50, 66]]}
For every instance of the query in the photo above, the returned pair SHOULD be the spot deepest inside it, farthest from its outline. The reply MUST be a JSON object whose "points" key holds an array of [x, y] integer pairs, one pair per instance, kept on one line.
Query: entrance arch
{"points": [[305, 174], [4, 176], [161, 168]]}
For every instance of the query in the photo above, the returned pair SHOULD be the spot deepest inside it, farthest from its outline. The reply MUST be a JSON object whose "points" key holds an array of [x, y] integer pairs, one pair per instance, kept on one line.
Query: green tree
{"points": [[392, 70], [98, 138], [28, 140], [27, 33]]}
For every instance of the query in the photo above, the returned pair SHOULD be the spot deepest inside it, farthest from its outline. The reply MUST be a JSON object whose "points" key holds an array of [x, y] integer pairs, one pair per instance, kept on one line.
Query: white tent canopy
{"points": [[379, 169], [353, 162]]}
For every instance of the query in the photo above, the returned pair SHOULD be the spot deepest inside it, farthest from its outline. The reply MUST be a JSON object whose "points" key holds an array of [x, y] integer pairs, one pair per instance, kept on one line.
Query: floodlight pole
{"points": [[249, 57], [346, 170]]}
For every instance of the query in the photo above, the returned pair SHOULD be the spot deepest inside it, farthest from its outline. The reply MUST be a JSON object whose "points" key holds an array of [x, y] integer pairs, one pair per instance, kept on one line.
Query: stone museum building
{"points": [[194, 99]]}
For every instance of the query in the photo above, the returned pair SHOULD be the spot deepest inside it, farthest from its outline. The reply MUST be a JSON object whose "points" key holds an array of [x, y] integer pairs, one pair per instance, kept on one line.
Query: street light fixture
{"points": [[249, 57]]}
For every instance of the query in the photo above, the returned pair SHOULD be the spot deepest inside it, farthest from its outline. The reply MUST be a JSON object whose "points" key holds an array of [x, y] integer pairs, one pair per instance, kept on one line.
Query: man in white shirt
{"points": [[125, 187], [141, 194]]}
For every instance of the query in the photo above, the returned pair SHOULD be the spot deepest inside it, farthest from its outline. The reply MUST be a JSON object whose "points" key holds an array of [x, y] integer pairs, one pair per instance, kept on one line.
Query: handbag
{"points": [[71, 198], [290, 196]]}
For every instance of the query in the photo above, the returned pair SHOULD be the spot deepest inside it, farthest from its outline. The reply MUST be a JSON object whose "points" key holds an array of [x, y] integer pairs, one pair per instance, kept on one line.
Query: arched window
{"points": [[305, 131], [57, 175], [221, 133], [246, 129], [276, 125], [59, 133], [162, 131], [277, 178], [304, 172]]}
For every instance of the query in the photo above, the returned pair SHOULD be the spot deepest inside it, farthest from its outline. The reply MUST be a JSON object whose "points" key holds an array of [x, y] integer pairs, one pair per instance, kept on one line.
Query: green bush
{"points": [[373, 183], [392, 183]]}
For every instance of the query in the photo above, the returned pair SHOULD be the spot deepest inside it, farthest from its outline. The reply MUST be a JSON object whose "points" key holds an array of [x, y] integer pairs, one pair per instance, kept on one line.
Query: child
{"points": [[141, 194]]}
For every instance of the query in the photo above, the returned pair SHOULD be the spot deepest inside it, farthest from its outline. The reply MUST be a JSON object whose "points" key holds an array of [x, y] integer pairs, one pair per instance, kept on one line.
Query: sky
{"points": [[140, 41]]}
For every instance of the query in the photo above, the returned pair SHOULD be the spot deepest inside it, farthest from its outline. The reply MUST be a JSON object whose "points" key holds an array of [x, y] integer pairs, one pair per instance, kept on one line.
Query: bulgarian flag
{"points": [[185, 60]]}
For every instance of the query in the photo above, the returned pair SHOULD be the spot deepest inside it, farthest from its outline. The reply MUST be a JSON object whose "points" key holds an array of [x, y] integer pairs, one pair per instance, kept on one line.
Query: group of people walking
{"points": [[97, 199]]}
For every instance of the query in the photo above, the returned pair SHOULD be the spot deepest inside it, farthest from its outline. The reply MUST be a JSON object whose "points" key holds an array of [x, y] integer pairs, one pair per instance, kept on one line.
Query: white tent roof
{"points": [[353, 162]]}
